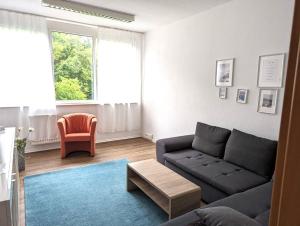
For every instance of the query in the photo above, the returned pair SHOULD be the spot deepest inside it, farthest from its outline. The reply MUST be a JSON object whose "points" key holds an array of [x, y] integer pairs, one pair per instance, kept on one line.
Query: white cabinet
{"points": [[9, 179]]}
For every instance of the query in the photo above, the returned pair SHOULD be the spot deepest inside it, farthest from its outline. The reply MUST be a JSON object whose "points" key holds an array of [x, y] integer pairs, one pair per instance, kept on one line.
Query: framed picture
{"points": [[224, 73], [267, 101], [242, 96], [222, 92], [270, 70]]}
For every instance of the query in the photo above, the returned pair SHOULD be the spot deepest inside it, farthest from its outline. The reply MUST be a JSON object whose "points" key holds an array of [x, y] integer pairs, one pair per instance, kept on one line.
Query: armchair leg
{"points": [[92, 149], [63, 150]]}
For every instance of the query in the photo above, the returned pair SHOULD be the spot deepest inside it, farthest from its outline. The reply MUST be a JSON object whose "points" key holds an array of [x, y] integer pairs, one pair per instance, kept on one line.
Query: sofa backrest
{"points": [[210, 139], [250, 152]]}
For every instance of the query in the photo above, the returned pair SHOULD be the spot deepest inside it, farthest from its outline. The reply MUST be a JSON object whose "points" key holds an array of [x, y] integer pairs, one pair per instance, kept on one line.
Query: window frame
{"points": [[82, 30]]}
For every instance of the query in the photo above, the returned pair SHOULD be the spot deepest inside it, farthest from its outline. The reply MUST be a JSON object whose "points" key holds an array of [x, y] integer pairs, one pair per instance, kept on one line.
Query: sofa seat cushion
{"points": [[181, 154], [210, 139], [78, 137], [251, 152], [225, 176]]}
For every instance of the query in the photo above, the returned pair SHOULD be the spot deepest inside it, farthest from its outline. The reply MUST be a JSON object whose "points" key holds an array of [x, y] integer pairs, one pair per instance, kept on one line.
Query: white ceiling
{"points": [[149, 13]]}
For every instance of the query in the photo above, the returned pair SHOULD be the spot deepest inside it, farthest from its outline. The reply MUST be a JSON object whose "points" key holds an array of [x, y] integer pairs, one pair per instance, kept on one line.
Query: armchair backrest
{"points": [[78, 122]]}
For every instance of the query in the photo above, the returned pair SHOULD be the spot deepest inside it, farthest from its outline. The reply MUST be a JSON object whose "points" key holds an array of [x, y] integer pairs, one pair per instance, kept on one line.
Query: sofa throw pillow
{"points": [[210, 139], [223, 216], [253, 153]]}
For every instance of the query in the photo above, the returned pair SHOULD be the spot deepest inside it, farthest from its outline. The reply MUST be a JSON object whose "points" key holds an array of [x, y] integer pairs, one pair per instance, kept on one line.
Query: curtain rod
{"points": [[67, 20]]}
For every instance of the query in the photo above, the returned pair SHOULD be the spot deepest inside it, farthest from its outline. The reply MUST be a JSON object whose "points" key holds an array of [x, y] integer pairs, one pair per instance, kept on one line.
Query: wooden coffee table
{"points": [[172, 192]]}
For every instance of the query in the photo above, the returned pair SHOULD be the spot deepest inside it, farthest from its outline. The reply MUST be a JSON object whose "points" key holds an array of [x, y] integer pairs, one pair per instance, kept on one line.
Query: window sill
{"points": [[76, 103]]}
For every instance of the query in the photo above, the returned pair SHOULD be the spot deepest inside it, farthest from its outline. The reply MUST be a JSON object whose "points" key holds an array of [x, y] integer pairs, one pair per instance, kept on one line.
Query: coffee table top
{"points": [[164, 179]]}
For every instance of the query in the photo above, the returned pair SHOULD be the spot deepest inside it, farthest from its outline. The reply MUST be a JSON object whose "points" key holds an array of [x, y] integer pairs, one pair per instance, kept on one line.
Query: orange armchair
{"points": [[77, 133]]}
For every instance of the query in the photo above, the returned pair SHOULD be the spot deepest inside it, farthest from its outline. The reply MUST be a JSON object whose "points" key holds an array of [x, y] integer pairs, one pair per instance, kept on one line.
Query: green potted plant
{"points": [[21, 142]]}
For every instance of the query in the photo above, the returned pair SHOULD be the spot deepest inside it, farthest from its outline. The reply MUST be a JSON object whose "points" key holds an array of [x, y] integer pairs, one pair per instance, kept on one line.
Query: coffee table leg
{"points": [[130, 186], [184, 204]]}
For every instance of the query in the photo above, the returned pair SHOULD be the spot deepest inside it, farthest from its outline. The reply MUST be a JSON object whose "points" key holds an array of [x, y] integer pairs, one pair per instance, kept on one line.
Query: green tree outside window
{"points": [[73, 59]]}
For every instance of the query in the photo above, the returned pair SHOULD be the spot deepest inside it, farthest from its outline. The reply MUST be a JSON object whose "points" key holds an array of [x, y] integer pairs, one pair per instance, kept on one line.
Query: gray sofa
{"points": [[226, 164]]}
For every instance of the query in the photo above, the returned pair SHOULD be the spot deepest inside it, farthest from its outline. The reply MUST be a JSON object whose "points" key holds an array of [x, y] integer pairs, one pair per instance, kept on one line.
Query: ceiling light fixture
{"points": [[88, 10]]}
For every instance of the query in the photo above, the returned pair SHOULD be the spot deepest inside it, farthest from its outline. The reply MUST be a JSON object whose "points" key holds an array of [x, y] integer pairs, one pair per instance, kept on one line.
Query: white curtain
{"points": [[119, 80], [119, 118], [25, 63], [119, 66], [26, 77]]}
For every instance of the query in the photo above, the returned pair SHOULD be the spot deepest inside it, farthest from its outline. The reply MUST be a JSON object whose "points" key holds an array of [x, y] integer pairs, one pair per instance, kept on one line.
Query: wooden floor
{"points": [[45, 161]]}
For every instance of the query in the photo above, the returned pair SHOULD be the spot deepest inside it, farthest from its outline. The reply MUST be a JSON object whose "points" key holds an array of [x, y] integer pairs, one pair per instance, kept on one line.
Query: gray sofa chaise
{"points": [[226, 164], [252, 206]]}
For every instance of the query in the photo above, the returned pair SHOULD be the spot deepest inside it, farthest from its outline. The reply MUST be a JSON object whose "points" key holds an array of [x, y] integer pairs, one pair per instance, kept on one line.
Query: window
{"points": [[73, 66]]}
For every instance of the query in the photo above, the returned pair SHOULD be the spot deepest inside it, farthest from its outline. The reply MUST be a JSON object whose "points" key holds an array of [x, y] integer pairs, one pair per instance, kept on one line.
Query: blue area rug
{"points": [[88, 196]]}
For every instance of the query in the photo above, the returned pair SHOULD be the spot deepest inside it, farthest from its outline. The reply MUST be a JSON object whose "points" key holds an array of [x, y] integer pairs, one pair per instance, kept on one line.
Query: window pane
{"points": [[73, 71]]}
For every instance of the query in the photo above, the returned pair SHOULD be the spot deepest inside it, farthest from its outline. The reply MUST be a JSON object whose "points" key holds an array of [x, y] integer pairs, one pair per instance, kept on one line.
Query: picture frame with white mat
{"points": [[242, 96], [267, 102], [271, 70], [223, 93], [224, 72]]}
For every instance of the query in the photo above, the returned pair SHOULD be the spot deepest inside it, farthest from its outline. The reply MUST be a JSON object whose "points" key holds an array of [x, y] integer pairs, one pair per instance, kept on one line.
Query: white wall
{"points": [[178, 83]]}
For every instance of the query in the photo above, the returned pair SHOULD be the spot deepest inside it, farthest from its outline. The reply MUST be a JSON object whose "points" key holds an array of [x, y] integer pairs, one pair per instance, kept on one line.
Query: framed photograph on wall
{"points": [[224, 73], [270, 71], [242, 96], [267, 102], [222, 92]]}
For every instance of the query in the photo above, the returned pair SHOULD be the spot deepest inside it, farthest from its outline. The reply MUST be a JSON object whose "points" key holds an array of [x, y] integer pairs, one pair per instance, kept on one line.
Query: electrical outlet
{"points": [[148, 136]]}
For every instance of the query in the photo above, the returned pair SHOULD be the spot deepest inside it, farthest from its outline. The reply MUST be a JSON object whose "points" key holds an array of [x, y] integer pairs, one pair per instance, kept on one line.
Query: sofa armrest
{"points": [[61, 124], [213, 216], [172, 144], [184, 220], [224, 216]]}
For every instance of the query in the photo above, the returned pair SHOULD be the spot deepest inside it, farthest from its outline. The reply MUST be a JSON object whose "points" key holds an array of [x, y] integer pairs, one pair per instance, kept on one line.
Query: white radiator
{"points": [[45, 129]]}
